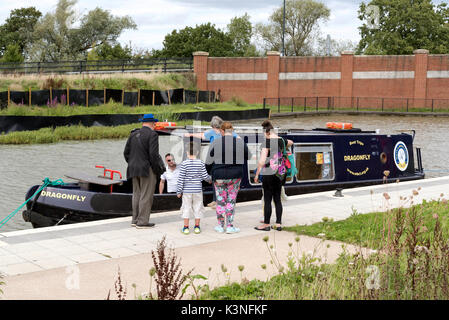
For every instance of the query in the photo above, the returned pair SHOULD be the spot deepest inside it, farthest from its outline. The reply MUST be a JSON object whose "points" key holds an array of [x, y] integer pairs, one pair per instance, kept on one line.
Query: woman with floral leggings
{"points": [[225, 159]]}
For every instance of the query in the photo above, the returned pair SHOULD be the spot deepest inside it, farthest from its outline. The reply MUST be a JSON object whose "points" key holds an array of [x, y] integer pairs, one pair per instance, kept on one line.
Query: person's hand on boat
{"points": [[256, 179], [179, 195]]}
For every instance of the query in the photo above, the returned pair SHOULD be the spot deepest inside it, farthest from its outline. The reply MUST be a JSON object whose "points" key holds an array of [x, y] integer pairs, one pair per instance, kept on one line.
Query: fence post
{"points": [[138, 97], [357, 103], [165, 65], [51, 95], [29, 96], [382, 104], [316, 104], [305, 101], [264, 101], [407, 104], [432, 104], [292, 104], [104, 95], [279, 105], [68, 94], [123, 96], [87, 97], [153, 97], [9, 96], [81, 67]]}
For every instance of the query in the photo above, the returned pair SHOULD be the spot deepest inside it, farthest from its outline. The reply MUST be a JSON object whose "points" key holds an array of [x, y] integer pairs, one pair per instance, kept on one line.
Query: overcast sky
{"points": [[156, 18]]}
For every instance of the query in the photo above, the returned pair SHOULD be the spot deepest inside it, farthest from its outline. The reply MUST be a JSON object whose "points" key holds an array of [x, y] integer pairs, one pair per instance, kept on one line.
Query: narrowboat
{"points": [[325, 158]]}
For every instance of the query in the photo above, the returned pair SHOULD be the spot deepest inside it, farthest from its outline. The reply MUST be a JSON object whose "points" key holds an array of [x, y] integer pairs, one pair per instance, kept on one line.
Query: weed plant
{"points": [[411, 260]]}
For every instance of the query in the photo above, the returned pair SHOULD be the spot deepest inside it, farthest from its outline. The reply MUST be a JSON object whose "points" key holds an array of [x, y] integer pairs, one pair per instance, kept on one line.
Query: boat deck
{"points": [[34, 250]]}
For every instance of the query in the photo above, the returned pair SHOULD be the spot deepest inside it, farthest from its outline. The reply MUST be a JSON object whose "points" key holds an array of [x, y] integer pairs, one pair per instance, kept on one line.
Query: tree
{"points": [[12, 54], [400, 26], [240, 31], [55, 38], [301, 22], [18, 28], [335, 47], [204, 37], [106, 51]]}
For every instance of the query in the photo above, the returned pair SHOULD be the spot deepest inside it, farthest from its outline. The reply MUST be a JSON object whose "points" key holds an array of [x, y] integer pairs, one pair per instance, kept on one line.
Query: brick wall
{"points": [[417, 77]]}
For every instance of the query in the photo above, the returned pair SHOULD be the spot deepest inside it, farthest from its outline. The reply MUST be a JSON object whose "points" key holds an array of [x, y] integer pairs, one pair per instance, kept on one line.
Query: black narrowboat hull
{"points": [[92, 206], [325, 160]]}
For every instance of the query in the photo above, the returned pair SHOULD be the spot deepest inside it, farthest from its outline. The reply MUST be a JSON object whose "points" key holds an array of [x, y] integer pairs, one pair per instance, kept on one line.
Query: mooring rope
{"points": [[46, 182]]}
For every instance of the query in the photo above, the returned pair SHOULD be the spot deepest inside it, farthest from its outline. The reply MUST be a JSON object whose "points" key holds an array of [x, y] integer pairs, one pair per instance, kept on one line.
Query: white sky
{"points": [[157, 18]]}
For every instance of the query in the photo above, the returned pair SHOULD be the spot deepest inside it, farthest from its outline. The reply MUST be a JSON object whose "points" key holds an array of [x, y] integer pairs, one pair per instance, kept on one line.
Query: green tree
{"points": [[240, 31], [400, 26], [18, 28], [302, 18], [106, 51], [55, 38], [12, 54], [204, 37]]}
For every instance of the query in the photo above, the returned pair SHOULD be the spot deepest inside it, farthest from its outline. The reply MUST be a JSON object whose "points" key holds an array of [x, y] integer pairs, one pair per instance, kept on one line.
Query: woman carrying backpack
{"points": [[273, 169]]}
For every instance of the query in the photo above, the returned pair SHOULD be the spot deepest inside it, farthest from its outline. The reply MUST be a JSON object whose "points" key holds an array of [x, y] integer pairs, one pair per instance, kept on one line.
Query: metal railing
{"points": [[101, 66], [309, 104]]}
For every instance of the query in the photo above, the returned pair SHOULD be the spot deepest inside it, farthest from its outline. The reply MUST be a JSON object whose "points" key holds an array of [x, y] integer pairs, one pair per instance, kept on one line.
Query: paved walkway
{"points": [[81, 261]]}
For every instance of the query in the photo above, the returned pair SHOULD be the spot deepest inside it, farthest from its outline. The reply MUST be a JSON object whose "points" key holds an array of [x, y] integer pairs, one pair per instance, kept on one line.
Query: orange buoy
{"points": [[339, 125], [164, 125]]}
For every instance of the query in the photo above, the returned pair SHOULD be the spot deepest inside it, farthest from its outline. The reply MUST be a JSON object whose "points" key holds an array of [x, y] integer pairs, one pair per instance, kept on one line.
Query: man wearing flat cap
{"points": [[142, 155]]}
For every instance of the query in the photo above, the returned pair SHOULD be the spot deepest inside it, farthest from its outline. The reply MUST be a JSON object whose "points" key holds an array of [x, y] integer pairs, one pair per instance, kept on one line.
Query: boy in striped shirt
{"points": [[192, 172]]}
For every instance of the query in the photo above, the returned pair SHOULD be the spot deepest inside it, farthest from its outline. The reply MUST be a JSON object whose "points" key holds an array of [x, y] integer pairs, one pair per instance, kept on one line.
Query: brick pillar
{"points": [[420, 87], [272, 88], [200, 69], [346, 68]]}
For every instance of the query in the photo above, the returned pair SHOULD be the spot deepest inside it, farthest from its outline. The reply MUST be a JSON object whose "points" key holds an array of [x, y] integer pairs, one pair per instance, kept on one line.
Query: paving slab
{"points": [[41, 263]]}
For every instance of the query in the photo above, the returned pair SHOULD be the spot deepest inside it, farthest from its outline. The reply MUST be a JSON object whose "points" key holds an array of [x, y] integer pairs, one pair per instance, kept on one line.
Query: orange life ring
{"points": [[339, 125], [163, 125]]}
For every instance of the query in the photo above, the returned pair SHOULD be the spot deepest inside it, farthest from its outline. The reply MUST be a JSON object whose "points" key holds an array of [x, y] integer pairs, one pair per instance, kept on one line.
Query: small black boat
{"points": [[326, 159]]}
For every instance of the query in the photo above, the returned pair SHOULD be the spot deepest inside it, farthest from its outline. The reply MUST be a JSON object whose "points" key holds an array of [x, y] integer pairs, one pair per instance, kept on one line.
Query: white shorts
{"points": [[192, 205]]}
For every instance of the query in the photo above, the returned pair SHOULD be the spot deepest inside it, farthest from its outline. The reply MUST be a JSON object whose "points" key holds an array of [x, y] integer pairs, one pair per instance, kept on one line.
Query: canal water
{"points": [[24, 166]]}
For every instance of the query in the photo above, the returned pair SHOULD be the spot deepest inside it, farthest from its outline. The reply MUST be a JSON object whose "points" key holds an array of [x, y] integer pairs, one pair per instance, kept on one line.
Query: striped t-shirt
{"points": [[191, 173]]}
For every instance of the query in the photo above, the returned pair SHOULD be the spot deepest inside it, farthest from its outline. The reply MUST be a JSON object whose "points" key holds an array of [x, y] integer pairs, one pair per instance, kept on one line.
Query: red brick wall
{"points": [[253, 79]]}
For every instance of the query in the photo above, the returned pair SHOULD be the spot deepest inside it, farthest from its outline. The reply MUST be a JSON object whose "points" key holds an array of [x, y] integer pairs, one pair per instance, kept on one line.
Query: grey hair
{"points": [[216, 122]]}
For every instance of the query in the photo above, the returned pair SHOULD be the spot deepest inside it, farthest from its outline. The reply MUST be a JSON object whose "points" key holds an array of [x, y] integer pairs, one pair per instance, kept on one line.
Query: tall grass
{"points": [[412, 262], [129, 82]]}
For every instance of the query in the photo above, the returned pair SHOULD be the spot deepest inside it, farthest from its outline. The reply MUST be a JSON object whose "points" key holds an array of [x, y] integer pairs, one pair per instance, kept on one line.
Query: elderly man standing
{"points": [[144, 165]]}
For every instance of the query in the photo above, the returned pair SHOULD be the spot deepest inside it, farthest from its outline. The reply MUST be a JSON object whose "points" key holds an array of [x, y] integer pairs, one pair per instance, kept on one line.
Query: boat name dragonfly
{"points": [[60, 195], [357, 157]]}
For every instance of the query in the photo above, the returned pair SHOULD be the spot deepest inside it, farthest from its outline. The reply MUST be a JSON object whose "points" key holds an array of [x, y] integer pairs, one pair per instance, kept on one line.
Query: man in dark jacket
{"points": [[142, 155]]}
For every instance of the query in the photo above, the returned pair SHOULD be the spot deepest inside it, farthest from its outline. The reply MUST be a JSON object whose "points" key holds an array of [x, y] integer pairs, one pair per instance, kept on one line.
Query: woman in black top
{"points": [[271, 183], [226, 157]]}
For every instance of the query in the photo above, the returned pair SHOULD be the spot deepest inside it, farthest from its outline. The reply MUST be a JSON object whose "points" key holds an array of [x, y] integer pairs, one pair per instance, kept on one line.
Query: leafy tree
{"points": [[18, 28], [240, 31], [12, 54], [55, 38], [401, 26], [204, 37], [106, 51], [301, 22], [336, 47]]}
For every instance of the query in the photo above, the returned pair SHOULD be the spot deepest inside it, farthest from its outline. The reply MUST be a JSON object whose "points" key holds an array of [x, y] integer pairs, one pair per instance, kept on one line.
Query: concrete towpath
{"points": [[82, 261]]}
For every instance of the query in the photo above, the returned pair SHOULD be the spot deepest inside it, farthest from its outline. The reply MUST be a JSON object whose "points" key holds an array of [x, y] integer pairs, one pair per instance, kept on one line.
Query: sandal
{"points": [[262, 229]]}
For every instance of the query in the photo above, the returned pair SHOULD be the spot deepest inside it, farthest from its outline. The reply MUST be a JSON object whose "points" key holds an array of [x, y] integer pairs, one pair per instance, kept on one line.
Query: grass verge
{"points": [[411, 262], [118, 108]]}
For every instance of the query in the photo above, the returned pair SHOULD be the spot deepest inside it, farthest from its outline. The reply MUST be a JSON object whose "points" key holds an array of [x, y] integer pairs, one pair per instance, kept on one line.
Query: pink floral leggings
{"points": [[226, 192]]}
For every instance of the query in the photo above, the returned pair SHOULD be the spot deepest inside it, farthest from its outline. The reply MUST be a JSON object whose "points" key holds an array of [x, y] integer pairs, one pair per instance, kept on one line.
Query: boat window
{"points": [[204, 149], [171, 144], [314, 162], [255, 149]]}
